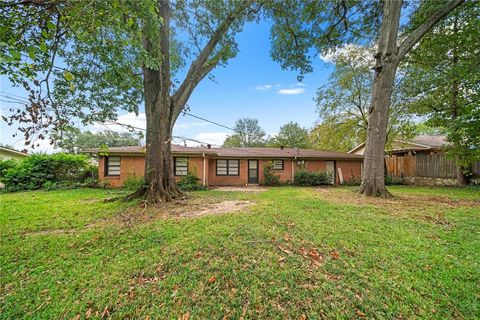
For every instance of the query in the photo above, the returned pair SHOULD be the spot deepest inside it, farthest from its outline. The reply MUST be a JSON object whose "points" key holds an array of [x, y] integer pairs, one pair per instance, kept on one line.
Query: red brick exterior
{"points": [[135, 166]]}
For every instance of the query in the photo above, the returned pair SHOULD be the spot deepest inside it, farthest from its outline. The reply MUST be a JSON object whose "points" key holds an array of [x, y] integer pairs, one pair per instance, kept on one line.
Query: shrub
{"points": [[391, 180], [50, 172], [133, 183], [312, 178], [190, 182], [5, 165], [269, 178]]}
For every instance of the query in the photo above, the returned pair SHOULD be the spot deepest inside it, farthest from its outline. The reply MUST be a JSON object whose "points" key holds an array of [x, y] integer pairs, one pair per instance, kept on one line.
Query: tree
{"points": [[329, 24], [344, 101], [118, 53], [248, 133], [74, 140], [291, 135], [441, 87]]}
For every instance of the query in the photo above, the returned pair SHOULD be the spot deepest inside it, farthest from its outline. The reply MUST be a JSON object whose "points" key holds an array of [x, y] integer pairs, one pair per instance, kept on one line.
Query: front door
{"points": [[252, 171]]}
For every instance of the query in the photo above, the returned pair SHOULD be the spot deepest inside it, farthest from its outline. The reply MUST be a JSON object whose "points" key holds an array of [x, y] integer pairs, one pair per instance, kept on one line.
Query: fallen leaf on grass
{"points": [[334, 254], [303, 317], [287, 237], [284, 250], [281, 259], [360, 314], [186, 316], [88, 314], [316, 257], [105, 313], [77, 317], [212, 279]]}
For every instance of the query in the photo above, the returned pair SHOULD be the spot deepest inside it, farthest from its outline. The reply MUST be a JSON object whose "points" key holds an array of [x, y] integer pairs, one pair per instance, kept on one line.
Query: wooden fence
{"points": [[431, 166]]}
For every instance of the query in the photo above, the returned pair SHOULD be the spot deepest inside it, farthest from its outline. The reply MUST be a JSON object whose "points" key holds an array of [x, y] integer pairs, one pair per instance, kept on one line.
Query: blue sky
{"points": [[251, 85]]}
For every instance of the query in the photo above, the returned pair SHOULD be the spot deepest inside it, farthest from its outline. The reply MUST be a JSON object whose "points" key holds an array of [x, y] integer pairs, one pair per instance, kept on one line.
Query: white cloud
{"points": [[292, 91], [40, 146], [190, 125], [264, 87], [352, 52], [213, 138]]}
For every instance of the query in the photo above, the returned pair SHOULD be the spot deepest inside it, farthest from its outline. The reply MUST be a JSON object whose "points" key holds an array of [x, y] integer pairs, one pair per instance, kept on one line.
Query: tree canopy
{"points": [[291, 135], [248, 133]]}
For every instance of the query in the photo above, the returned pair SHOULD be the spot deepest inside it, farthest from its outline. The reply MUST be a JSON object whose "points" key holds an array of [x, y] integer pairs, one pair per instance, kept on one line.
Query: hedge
{"points": [[50, 171]]}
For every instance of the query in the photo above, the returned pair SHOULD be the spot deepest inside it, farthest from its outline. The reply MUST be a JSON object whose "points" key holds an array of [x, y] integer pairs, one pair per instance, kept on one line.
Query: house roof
{"points": [[13, 151], [420, 142], [240, 152]]}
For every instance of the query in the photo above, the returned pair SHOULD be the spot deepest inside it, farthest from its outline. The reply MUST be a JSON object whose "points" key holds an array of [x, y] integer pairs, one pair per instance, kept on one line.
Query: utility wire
{"points": [[206, 120]]}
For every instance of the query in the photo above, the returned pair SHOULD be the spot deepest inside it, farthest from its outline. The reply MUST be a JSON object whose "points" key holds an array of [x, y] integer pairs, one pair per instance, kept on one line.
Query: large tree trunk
{"points": [[159, 178], [373, 177]]}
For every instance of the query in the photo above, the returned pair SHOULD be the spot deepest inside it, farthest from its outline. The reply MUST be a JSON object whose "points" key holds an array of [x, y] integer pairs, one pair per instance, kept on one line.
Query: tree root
{"points": [[374, 190]]}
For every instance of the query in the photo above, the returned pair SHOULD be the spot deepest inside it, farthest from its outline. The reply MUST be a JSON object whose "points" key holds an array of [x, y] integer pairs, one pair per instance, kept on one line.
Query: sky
{"points": [[251, 85]]}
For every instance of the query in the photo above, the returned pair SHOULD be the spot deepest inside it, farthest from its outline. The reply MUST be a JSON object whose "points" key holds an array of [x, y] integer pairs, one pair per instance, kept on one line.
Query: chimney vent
{"points": [[281, 147], [209, 146]]}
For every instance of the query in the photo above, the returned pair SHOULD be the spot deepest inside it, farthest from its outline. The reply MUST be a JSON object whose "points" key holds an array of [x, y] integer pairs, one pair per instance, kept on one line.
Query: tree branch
{"points": [[408, 43], [199, 67]]}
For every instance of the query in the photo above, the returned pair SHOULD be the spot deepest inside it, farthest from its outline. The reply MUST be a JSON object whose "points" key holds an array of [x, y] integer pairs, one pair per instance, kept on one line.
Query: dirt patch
{"points": [[242, 189], [218, 208]]}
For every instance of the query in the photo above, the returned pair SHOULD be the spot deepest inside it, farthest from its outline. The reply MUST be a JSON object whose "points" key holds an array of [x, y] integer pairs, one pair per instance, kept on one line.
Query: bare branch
{"points": [[408, 43]]}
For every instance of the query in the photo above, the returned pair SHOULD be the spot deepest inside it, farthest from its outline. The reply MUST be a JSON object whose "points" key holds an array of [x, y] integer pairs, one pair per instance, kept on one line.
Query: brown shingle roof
{"points": [[240, 152]]}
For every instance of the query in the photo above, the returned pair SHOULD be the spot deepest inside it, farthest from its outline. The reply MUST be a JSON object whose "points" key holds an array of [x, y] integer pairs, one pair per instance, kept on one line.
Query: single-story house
{"points": [[421, 144], [421, 161], [230, 166], [8, 153]]}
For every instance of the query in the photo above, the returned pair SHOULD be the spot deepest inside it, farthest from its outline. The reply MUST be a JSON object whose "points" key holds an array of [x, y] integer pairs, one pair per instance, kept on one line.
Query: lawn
{"points": [[300, 253]]}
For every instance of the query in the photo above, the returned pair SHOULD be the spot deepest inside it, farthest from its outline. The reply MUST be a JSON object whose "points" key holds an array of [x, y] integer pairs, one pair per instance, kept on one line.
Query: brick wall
{"points": [[129, 166], [350, 169]]}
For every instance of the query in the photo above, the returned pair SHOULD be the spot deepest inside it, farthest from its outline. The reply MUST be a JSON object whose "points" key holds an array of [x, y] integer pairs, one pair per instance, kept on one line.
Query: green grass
{"points": [[64, 253]]}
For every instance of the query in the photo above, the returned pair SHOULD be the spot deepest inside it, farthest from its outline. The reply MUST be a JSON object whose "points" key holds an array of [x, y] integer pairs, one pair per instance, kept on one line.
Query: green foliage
{"points": [[312, 178], [5, 165], [74, 140], [291, 135], [133, 183], [392, 181], [343, 103], [441, 86], [50, 171], [269, 177], [190, 182], [248, 133]]}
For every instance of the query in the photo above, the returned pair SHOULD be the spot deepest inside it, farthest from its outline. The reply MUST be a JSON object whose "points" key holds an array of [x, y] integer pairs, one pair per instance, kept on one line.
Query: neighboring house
{"points": [[7, 153], [230, 166], [422, 144], [421, 161]]}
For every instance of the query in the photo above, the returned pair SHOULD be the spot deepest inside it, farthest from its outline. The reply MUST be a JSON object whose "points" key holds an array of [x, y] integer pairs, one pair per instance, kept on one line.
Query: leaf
{"points": [[186, 316], [212, 279], [31, 53], [360, 314], [105, 313], [68, 76], [88, 314], [15, 54], [43, 47], [51, 25], [334, 254]]}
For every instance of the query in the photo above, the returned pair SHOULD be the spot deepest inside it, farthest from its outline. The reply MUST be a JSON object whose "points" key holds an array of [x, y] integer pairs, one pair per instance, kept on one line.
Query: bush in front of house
{"points": [[133, 183], [50, 172], [190, 182], [269, 178], [312, 178], [5, 165]]}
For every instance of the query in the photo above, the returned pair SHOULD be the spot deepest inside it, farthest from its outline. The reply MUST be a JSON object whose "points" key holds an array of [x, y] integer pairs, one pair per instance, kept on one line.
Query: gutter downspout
{"points": [[293, 168], [204, 163]]}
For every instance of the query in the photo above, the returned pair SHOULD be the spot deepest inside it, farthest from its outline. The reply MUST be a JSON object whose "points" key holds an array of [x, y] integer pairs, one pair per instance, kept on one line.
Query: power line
{"points": [[206, 120]]}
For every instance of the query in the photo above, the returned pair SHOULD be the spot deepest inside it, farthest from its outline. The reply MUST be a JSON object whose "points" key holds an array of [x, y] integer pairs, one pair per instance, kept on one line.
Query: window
{"points": [[228, 167], [277, 164], [180, 166], [112, 166]]}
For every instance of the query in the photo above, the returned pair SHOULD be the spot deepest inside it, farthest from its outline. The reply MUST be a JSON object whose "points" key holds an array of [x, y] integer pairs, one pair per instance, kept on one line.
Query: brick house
{"points": [[230, 166]]}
